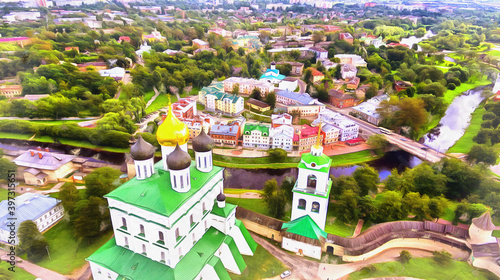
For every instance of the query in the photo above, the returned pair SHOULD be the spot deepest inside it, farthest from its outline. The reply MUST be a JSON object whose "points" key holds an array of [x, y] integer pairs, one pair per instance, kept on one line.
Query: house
{"points": [[72, 48], [346, 37], [353, 59], [173, 52], [272, 75], [331, 133], [306, 110], [287, 97], [282, 137], [172, 221], [246, 86], [289, 83], [225, 103], [11, 90], [184, 108], [340, 99], [256, 136], [44, 211], [307, 136], [116, 73], [258, 105], [142, 49], [347, 128], [200, 44], [154, 36], [352, 83], [368, 110], [278, 120], [402, 85], [124, 39], [348, 71], [225, 134], [317, 76], [320, 52], [205, 50], [37, 167], [197, 123], [297, 67]]}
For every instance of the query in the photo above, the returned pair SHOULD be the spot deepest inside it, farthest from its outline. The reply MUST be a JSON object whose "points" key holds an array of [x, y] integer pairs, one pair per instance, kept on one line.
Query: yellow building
{"points": [[11, 90]]}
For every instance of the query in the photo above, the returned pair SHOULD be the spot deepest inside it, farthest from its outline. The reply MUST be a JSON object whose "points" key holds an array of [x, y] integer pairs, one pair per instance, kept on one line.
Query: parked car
{"points": [[286, 274]]}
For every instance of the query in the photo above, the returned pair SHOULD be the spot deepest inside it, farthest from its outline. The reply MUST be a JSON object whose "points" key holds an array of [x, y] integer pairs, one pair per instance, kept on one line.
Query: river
{"points": [[410, 41], [455, 121]]}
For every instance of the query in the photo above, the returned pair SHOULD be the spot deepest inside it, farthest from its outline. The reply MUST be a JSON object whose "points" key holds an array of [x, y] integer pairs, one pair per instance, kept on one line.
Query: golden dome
{"points": [[172, 131]]}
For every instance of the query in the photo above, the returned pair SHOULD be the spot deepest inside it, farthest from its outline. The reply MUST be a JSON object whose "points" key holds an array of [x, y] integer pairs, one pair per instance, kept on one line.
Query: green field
{"points": [[425, 268], [449, 95], [464, 144], [252, 204], [58, 122], [260, 266], [18, 274], [148, 95], [494, 53], [66, 253], [160, 102], [336, 227]]}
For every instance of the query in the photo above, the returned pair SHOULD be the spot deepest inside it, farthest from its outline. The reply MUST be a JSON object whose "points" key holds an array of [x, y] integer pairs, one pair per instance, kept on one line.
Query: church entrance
{"points": [[329, 249]]}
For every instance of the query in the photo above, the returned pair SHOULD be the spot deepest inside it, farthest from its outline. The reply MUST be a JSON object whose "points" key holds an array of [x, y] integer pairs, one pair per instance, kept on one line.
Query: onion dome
{"points": [[178, 159], [172, 131], [484, 222], [273, 63], [142, 150], [221, 197], [203, 142]]}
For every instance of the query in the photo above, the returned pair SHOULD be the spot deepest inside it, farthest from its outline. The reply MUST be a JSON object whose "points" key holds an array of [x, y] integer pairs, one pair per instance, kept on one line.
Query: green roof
{"points": [[220, 94], [155, 194], [249, 127], [304, 226], [223, 212], [136, 266], [253, 245], [219, 268], [323, 162]]}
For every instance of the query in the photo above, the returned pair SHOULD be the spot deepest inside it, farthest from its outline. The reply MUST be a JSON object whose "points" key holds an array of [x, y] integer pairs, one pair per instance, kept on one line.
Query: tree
{"points": [[404, 257], [441, 258], [482, 153], [101, 181], [277, 155], [38, 250], [462, 179], [342, 184], [271, 99], [236, 89], [256, 94], [346, 208], [367, 179], [69, 196], [425, 180], [391, 208], [88, 217], [378, 142], [275, 198], [437, 206], [287, 186], [27, 233], [6, 166]]}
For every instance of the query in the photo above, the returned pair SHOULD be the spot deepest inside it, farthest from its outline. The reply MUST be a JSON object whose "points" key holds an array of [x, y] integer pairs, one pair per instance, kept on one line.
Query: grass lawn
{"points": [[425, 268], [496, 233], [449, 212], [58, 122], [240, 191], [148, 95], [252, 204], [18, 274], [464, 144], [335, 226], [3, 194], [449, 95], [160, 102], [495, 53], [260, 266], [65, 252]]}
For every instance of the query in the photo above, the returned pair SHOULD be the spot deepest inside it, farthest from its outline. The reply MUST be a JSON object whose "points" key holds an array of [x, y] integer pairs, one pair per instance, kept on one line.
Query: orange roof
{"points": [[315, 72]]}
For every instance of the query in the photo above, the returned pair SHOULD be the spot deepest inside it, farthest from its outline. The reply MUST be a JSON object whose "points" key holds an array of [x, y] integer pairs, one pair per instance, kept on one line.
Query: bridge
{"points": [[413, 147]]}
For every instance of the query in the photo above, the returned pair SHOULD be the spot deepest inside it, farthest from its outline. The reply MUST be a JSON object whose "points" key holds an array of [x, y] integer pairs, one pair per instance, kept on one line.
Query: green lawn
{"points": [[160, 102], [336, 227], [240, 191], [148, 95], [449, 212], [18, 274], [449, 95], [19, 136], [65, 252], [425, 268], [252, 204], [260, 266], [496, 233], [495, 53], [58, 122], [464, 144], [3, 194]]}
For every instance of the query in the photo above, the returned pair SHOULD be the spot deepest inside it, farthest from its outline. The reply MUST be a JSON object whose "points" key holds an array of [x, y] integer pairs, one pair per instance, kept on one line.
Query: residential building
{"points": [[248, 85], [184, 108], [21, 16], [154, 36], [39, 167], [282, 137], [297, 68], [116, 73], [44, 211], [317, 76], [353, 59], [340, 99], [11, 90], [150, 9], [216, 100], [320, 53], [256, 136], [197, 123], [287, 97], [306, 110], [352, 83], [172, 221], [221, 32], [258, 105], [348, 71], [331, 133], [347, 128], [200, 44], [307, 136], [278, 120], [124, 39], [205, 50], [289, 84], [173, 52], [251, 43], [142, 49], [225, 134], [272, 75], [346, 37], [368, 110]]}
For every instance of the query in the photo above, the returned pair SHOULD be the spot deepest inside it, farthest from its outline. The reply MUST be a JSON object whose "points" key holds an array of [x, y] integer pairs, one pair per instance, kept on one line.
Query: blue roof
{"points": [[224, 129], [300, 98], [29, 206]]}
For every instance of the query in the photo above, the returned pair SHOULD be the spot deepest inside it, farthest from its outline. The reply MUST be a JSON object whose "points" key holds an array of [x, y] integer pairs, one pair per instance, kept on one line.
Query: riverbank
{"points": [[465, 142]]}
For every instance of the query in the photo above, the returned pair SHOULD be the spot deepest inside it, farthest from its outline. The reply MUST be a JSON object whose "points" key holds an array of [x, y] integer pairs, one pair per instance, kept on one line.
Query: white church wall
{"points": [[318, 217], [296, 246], [227, 259], [240, 240], [102, 273], [208, 272], [321, 179]]}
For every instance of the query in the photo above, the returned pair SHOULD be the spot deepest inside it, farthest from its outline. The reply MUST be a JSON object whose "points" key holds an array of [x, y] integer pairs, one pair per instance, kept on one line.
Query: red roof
{"points": [[315, 72], [309, 131], [355, 140], [13, 39]]}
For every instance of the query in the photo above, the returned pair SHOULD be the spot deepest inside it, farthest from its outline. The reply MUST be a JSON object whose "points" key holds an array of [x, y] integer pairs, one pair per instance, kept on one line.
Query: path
{"points": [[359, 226], [34, 269], [152, 98], [301, 268]]}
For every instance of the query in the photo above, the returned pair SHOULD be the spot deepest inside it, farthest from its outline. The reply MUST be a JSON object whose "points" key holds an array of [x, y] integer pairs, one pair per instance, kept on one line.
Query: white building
{"points": [[143, 48], [348, 71], [116, 73], [347, 128], [272, 75], [368, 109], [173, 221], [332, 133], [281, 119], [282, 137], [248, 85], [353, 59], [288, 83], [43, 210], [256, 136], [320, 53]]}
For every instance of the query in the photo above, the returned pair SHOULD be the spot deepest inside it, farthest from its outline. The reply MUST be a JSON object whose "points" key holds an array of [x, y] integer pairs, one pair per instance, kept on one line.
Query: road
{"points": [[419, 150], [126, 79]]}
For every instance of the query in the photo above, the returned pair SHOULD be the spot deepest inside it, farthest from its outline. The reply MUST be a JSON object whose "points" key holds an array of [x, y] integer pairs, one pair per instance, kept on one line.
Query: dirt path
{"points": [[34, 269], [301, 268]]}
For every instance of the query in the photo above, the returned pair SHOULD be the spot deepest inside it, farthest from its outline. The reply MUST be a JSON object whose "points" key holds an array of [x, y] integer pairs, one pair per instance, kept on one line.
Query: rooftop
{"points": [[42, 159], [300, 98], [305, 226]]}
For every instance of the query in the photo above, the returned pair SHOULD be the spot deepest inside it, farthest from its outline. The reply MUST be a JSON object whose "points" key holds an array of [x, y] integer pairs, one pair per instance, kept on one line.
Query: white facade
{"points": [[480, 236], [348, 71], [203, 161], [301, 247], [144, 168], [288, 84], [281, 119], [347, 128], [256, 138], [282, 137]]}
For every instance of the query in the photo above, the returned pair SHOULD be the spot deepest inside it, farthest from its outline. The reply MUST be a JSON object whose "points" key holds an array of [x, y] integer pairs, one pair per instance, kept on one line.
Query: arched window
{"points": [[141, 228], [315, 207], [161, 236], [311, 181], [302, 204], [163, 256], [124, 223]]}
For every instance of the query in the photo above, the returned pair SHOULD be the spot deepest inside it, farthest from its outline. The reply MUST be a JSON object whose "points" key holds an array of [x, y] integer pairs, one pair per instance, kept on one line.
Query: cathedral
{"points": [[171, 221]]}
